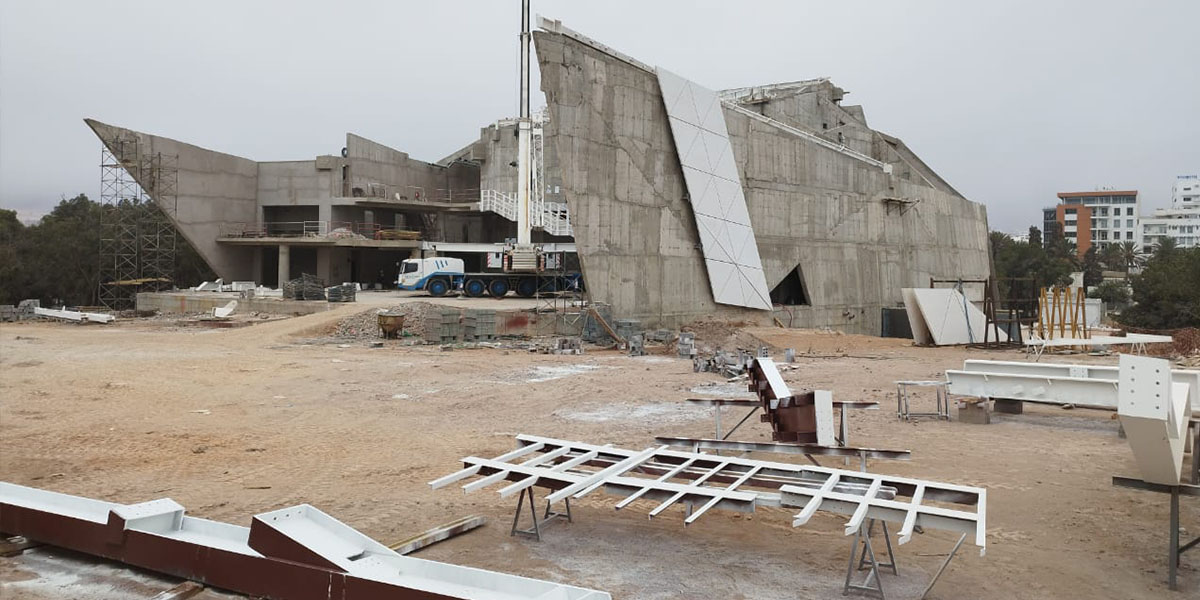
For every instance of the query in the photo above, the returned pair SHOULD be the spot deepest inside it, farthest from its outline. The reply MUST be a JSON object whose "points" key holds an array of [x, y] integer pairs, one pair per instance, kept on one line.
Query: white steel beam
{"points": [[1091, 372], [1086, 393], [1154, 412]]}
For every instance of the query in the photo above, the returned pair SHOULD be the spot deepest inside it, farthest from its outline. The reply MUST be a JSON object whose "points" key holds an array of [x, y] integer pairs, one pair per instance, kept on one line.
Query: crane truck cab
{"points": [[437, 275]]}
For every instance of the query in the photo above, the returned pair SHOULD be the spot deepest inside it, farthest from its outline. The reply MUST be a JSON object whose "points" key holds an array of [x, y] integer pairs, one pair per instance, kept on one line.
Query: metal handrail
{"points": [[301, 229]]}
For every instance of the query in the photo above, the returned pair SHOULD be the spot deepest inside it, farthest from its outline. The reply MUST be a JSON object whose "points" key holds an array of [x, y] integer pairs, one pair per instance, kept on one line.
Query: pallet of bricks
{"points": [[479, 325], [454, 326], [447, 329]]}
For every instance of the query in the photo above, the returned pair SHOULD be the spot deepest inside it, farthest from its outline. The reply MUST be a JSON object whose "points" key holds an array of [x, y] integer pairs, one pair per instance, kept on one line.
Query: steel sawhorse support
{"points": [[535, 530]]}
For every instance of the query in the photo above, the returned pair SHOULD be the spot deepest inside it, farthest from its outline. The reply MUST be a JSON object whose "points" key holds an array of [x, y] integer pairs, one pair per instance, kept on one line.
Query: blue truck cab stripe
{"points": [[455, 279]]}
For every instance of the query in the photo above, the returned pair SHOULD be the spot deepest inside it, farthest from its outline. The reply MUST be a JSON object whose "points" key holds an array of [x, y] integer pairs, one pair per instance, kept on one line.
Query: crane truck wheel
{"points": [[475, 288], [438, 287], [526, 288], [498, 288]]}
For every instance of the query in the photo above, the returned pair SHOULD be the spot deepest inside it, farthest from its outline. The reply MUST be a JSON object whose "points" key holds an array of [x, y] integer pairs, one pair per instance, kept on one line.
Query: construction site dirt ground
{"points": [[235, 422]]}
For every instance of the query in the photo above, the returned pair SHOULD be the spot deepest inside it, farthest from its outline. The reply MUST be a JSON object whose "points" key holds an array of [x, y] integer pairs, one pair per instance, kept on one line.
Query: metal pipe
{"points": [[524, 131]]}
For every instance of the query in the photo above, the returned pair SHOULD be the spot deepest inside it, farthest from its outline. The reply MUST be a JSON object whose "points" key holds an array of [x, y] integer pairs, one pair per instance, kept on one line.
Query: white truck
{"points": [[440, 275]]}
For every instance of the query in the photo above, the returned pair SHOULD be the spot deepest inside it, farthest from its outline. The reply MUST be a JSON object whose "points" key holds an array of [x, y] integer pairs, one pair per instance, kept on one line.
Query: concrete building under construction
{"points": [[678, 202]]}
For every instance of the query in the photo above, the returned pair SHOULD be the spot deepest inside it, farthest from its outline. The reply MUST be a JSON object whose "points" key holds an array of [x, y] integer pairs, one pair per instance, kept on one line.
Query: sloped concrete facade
{"points": [[857, 234], [213, 189]]}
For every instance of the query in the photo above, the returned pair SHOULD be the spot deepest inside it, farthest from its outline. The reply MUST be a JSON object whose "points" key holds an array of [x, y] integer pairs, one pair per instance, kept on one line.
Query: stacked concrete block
{"points": [[485, 324], [627, 328], [450, 327], [25, 309], [686, 345], [593, 331]]}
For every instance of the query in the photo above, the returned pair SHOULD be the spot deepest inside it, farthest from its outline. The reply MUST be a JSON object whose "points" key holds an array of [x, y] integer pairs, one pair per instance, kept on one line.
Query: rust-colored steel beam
{"points": [[297, 553]]}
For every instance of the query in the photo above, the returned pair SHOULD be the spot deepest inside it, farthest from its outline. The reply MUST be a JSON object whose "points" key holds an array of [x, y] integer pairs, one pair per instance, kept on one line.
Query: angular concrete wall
{"points": [[374, 163], [213, 188], [810, 206], [297, 182]]}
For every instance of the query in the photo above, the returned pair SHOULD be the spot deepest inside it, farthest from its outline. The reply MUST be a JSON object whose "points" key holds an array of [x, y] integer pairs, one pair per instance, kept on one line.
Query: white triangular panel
{"points": [[672, 87], [703, 192], [714, 238], [724, 279], [717, 148], [740, 237], [733, 203], [713, 119]]}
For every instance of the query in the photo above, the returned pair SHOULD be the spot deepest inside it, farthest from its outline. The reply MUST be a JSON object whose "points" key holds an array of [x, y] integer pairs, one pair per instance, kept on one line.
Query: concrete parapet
{"points": [[201, 302]]}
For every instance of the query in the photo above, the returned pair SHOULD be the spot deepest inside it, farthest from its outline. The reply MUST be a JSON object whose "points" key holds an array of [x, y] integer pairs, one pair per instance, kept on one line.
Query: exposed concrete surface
{"points": [[213, 189], [810, 206], [198, 302]]}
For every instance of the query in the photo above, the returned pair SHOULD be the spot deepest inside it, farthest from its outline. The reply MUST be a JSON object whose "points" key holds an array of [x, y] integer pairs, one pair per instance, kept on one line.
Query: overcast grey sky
{"points": [[1010, 101]]}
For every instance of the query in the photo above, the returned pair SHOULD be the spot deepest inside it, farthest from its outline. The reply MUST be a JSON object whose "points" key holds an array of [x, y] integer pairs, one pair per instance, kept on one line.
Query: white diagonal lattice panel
{"points": [[735, 271]]}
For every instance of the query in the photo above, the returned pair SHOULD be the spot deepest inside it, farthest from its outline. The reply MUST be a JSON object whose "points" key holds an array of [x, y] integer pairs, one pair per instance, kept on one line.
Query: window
{"points": [[1129, 211], [1129, 235], [1104, 211], [1129, 222], [408, 267]]}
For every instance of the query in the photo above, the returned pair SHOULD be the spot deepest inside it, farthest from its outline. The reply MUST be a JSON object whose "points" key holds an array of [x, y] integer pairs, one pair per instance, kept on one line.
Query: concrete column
{"points": [[285, 259], [324, 264]]}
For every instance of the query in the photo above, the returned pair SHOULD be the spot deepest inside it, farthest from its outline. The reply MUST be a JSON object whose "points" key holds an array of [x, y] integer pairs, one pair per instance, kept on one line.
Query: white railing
{"points": [[498, 202], [552, 217], [556, 218]]}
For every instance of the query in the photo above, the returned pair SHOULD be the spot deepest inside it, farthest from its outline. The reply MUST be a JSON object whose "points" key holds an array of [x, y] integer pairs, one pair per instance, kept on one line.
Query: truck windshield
{"points": [[408, 267]]}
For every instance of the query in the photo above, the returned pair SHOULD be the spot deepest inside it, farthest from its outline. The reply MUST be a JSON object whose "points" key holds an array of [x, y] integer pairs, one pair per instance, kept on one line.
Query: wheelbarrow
{"points": [[391, 325]]}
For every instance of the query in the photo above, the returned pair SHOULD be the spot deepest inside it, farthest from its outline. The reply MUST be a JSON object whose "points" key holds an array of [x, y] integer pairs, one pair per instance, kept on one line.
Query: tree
{"points": [[1129, 256], [11, 273], [1035, 236], [1165, 247], [1028, 259], [1114, 293], [1093, 270], [1112, 258], [58, 260], [1166, 294]]}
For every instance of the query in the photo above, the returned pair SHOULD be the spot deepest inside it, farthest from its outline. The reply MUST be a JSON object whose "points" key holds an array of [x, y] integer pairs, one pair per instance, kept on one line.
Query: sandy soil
{"points": [[234, 422]]}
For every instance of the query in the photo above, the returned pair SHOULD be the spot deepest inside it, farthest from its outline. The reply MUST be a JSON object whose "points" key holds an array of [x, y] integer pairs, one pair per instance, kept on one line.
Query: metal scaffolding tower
{"points": [[138, 195]]}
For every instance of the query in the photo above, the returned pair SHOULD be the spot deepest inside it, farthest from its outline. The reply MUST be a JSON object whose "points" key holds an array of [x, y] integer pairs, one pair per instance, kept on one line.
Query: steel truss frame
{"points": [[572, 470]]}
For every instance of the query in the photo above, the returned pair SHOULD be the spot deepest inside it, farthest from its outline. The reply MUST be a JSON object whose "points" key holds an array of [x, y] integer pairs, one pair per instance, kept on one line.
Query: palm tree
{"points": [[1165, 247], [1111, 256], [1130, 257]]}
